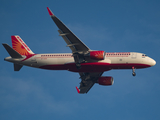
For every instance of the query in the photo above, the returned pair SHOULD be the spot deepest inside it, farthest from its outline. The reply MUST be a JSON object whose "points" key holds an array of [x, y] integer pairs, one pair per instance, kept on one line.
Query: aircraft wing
{"points": [[75, 44], [87, 81], [78, 49]]}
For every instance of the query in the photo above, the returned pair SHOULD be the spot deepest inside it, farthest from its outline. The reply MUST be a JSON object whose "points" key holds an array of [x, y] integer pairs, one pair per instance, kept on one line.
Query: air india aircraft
{"points": [[90, 64]]}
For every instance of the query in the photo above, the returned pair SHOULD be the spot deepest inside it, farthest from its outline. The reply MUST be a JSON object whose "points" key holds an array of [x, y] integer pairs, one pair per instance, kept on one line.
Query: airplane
{"points": [[90, 64]]}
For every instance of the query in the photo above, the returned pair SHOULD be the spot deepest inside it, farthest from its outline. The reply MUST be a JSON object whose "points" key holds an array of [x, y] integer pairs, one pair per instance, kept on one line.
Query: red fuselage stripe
{"points": [[93, 67]]}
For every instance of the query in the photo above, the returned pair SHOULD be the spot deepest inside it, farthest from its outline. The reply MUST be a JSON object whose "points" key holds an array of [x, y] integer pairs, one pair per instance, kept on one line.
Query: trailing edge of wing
{"points": [[68, 35]]}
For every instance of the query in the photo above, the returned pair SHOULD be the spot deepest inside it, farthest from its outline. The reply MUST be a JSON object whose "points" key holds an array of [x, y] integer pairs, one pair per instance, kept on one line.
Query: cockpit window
{"points": [[144, 55]]}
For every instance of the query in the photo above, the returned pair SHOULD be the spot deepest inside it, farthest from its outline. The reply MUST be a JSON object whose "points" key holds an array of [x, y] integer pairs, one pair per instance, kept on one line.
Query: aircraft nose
{"points": [[153, 62]]}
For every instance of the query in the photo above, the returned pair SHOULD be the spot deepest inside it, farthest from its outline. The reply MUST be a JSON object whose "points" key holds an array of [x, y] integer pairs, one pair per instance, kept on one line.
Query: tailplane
{"points": [[17, 67], [19, 45], [13, 54], [11, 51]]}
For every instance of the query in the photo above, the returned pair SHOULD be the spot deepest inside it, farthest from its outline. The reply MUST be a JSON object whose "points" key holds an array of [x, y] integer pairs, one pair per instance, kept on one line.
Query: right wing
{"points": [[87, 81]]}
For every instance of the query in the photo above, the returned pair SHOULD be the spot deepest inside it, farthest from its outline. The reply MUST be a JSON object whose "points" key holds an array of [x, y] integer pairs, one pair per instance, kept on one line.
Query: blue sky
{"points": [[113, 26]]}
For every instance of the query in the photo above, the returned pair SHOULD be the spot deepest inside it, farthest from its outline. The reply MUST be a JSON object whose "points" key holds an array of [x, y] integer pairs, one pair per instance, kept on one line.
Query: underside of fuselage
{"points": [[93, 67]]}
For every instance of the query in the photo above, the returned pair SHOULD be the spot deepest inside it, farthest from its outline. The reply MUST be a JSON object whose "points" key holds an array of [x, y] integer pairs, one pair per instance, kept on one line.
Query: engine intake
{"points": [[97, 55], [104, 80]]}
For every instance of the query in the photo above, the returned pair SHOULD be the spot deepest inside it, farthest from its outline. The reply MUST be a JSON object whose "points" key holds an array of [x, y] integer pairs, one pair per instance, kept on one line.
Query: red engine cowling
{"points": [[97, 55], [105, 80]]}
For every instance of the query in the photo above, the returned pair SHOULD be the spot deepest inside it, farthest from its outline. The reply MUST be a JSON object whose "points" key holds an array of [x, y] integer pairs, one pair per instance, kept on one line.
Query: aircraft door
{"points": [[134, 55]]}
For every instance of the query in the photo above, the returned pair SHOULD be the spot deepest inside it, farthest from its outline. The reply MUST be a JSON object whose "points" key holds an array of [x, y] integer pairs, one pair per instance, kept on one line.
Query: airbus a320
{"points": [[90, 64]]}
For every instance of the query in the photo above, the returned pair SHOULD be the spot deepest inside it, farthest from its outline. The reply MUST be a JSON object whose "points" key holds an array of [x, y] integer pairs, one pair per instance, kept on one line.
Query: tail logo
{"points": [[19, 45]]}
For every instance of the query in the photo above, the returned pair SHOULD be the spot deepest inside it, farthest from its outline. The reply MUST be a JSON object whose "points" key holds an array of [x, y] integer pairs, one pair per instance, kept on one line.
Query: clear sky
{"points": [[110, 25]]}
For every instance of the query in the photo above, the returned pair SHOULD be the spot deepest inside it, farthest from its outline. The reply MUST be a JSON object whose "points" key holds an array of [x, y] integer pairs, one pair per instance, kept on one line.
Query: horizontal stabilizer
{"points": [[17, 67], [11, 51]]}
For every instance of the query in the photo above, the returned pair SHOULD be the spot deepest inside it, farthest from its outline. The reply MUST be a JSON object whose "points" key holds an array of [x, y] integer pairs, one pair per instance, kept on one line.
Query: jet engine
{"points": [[97, 55], [104, 80]]}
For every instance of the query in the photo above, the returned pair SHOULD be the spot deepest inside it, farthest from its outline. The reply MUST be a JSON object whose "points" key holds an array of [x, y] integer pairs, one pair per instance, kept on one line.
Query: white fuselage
{"points": [[65, 61]]}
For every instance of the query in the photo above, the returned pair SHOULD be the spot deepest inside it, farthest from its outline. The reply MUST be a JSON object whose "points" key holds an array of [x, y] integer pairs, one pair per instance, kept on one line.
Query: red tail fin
{"points": [[19, 45]]}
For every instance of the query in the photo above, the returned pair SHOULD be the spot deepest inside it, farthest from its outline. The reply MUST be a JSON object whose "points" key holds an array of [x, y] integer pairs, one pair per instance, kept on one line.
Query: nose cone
{"points": [[152, 62]]}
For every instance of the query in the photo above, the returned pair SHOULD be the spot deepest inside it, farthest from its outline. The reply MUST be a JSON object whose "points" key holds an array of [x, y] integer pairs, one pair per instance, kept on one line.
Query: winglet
{"points": [[49, 11], [77, 89]]}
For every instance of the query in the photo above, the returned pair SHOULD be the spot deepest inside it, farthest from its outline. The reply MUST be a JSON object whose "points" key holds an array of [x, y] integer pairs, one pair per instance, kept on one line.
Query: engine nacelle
{"points": [[97, 55], [105, 80]]}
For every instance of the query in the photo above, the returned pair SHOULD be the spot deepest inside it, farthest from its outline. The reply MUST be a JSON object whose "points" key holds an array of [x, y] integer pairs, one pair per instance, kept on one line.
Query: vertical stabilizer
{"points": [[19, 45]]}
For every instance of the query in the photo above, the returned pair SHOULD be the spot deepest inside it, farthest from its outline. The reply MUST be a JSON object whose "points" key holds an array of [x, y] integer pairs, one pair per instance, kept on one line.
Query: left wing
{"points": [[79, 49], [72, 41], [87, 81]]}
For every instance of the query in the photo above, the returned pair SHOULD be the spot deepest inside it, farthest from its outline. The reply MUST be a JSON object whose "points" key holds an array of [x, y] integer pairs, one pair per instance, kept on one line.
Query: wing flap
{"points": [[66, 40]]}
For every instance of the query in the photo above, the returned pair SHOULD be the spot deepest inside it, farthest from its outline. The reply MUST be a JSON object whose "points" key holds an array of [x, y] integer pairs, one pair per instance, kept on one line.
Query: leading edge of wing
{"points": [[73, 40]]}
